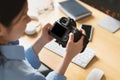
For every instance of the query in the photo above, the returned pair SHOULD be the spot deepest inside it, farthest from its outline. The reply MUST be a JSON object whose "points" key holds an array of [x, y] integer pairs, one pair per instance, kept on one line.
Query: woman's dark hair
{"points": [[9, 9]]}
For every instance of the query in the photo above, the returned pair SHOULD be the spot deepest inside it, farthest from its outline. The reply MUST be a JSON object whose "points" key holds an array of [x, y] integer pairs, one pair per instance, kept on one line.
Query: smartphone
{"points": [[89, 31]]}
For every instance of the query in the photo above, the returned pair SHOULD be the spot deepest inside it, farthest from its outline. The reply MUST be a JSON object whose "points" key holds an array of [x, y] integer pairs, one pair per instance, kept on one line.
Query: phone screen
{"points": [[88, 29]]}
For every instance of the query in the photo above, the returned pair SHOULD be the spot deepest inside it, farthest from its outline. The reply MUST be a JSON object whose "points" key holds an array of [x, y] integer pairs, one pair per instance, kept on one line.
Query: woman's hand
{"points": [[73, 48], [45, 37]]}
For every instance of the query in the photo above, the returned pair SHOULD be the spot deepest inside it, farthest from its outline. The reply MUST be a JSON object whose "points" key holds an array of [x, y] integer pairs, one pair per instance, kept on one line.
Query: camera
{"points": [[61, 29]]}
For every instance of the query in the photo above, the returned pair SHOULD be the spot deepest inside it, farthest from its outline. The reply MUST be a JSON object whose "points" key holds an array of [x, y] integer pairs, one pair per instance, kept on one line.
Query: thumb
{"points": [[71, 37]]}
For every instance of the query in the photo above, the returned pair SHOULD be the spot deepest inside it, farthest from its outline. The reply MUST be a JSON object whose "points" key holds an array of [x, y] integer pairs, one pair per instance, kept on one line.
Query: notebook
{"points": [[74, 9]]}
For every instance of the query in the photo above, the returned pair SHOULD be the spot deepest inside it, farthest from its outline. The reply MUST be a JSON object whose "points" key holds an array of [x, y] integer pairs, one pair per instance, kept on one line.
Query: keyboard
{"points": [[82, 59]]}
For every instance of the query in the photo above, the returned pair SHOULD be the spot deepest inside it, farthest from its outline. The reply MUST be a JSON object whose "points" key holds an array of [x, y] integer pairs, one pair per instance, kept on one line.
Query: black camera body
{"points": [[61, 29]]}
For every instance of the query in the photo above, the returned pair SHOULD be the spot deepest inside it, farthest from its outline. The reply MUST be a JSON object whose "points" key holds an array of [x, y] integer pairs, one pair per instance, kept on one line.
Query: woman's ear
{"points": [[2, 29]]}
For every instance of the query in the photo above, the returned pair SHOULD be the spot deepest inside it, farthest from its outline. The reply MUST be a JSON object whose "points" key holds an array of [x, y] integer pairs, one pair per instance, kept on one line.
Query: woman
{"points": [[17, 64]]}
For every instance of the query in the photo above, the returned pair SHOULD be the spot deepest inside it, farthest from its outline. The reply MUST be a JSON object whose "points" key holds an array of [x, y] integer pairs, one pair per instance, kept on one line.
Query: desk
{"points": [[106, 45]]}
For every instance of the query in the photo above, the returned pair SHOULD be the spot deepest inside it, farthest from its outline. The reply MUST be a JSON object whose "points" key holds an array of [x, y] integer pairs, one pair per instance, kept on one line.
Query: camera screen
{"points": [[58, 30]]}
